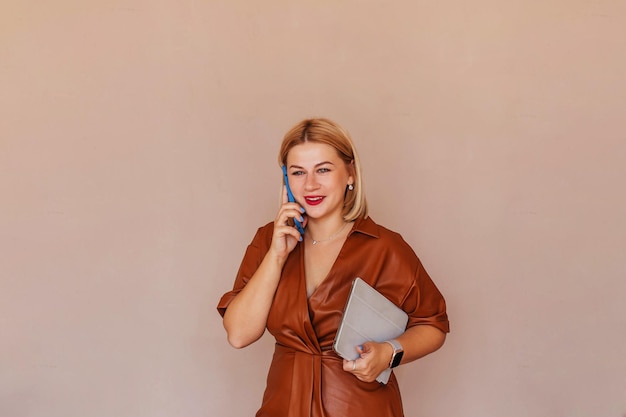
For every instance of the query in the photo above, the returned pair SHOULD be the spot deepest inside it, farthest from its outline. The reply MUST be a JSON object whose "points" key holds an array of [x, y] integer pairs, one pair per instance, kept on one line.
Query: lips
{"points": [[314, 200]]}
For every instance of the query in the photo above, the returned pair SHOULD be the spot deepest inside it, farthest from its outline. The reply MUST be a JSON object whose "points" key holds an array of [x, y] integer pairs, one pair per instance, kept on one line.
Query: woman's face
{"points": [[318, 178]]}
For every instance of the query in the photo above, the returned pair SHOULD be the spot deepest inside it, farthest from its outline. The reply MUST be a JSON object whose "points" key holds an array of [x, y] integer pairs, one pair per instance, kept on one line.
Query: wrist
{"points": [[276, 258], [396, 354]]}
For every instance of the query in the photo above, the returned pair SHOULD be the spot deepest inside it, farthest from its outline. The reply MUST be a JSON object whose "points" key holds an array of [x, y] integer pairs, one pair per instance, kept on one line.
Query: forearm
{"points": [[419, 341], [246, 316]]}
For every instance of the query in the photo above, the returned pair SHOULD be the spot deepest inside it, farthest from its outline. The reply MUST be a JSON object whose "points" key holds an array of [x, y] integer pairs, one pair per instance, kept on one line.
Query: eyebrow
{"points": [[316, 165]]}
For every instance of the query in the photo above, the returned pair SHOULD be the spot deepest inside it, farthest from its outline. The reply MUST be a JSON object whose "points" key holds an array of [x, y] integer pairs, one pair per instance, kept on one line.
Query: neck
{"points": [[326, 231]]}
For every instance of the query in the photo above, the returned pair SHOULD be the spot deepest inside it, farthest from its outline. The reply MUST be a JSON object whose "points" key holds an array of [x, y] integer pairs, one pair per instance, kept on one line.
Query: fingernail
{"points": [[361, 347], [302, 209], [301, 218], [300, 238]]}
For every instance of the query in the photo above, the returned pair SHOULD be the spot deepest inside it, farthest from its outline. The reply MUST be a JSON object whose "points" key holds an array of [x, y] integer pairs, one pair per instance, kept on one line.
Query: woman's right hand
{"points": [[286, 235]]}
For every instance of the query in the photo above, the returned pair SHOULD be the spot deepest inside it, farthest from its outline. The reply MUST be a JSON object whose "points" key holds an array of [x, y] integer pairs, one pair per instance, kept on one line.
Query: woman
{"points": [[297, 285]]}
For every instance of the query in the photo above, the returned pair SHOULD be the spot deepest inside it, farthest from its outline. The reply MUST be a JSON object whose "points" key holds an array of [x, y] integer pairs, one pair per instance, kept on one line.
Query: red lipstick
{"points": [[314, 200]]}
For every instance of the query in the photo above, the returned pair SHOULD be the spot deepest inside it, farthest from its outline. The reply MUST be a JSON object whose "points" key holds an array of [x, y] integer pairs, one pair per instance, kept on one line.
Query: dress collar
{"points": [[366, 226]]}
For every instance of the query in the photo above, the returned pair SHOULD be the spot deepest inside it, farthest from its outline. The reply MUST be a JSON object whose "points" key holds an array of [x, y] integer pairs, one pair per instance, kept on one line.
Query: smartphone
{"points": [[291, 199]]}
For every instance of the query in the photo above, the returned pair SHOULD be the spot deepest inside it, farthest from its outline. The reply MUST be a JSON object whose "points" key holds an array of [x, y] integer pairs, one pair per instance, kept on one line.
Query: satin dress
{"points": [[306, 377]]}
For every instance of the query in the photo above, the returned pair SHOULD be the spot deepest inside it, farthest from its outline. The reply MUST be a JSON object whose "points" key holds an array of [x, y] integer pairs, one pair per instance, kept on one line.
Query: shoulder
{"points": [[266, 229], [382, 237], [263, 236], [258, 247]]}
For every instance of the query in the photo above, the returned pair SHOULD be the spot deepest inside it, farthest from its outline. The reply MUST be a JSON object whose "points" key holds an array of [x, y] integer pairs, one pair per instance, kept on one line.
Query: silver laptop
{"points": [[368, 316]]}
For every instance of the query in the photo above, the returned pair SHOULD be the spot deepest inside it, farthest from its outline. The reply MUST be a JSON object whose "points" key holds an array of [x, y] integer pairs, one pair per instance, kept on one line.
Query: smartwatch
{"points": [[398, 352]]}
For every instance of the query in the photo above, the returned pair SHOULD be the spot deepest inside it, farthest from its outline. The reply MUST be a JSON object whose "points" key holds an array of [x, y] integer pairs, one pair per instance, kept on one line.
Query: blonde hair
{"points": [[320, 130]]}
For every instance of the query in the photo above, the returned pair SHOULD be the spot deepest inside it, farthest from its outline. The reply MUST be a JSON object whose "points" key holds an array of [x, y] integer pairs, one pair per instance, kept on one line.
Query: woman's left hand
{"points": [[374, 358]]}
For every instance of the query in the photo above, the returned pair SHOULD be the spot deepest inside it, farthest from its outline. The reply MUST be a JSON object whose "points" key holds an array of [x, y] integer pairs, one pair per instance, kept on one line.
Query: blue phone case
{"points": [[291, 200]]}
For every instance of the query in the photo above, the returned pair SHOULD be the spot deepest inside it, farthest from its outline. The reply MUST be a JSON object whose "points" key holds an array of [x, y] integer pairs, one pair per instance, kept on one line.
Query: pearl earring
{"points": [[350, 187]]}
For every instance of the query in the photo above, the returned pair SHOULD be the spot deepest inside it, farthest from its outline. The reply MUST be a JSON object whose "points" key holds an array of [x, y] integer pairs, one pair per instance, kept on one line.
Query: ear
{"points": [[351, 172]]}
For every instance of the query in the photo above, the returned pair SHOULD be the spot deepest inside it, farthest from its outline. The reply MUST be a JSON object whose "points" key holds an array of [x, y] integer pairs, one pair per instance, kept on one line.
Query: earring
{"points": [[350, 187]]}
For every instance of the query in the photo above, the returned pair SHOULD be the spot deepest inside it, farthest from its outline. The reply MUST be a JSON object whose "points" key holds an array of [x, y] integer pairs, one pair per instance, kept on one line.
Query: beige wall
{"points": [[137, 157]]}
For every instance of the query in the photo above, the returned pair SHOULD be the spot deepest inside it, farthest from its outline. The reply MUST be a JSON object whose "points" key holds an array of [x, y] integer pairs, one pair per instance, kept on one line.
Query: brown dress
{"points": [[306, 377]]}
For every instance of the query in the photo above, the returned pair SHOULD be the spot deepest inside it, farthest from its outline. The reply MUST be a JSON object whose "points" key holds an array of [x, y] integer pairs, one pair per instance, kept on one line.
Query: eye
{"points": [[296, 173], [323, 170]]}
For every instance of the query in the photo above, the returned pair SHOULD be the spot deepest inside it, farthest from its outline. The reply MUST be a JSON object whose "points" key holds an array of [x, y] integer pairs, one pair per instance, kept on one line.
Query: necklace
{"points": [[315, 242]]}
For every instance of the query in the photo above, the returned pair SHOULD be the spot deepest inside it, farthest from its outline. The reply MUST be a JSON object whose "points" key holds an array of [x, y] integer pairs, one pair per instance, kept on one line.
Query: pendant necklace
{"points": [[315, 242]]}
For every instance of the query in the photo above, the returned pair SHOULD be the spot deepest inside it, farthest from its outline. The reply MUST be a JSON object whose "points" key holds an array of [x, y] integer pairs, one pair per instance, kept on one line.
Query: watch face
{"points": [[396, 359]]}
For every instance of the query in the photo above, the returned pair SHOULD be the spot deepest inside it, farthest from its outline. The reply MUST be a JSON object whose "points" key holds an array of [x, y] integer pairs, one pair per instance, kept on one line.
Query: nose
{"points": [[311, 183]]}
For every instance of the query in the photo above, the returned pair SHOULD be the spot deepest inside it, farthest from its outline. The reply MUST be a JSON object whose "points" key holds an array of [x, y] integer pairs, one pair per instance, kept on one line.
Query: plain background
{"points": [[138, 144]]}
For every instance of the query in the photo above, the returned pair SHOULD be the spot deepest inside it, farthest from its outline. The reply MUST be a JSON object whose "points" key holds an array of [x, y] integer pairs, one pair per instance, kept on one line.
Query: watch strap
{"points": [[398, 352]]}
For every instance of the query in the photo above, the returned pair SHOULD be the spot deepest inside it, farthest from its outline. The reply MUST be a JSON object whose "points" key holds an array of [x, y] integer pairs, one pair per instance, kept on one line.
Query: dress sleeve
{"points": [[424, 303], [252, 259]]}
